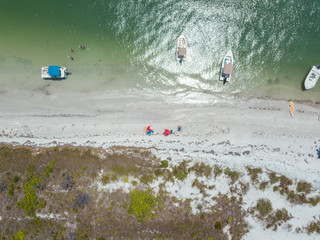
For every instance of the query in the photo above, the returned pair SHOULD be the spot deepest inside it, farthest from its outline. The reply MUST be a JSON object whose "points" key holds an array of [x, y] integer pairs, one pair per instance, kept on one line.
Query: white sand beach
{"points": [[235, 133]]}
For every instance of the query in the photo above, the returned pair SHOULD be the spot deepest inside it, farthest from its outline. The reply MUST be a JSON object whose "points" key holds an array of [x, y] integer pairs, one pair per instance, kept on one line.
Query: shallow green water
{"points": [[131, 44]]}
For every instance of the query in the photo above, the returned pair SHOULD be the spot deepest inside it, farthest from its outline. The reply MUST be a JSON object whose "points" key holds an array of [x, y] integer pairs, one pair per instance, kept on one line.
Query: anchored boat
{"points": [[312, 78], [181, 49], [227, 67], [54, 72]]}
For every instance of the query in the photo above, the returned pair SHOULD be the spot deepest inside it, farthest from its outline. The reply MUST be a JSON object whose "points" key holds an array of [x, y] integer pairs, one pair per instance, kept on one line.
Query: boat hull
{"points": [[181, 48], [228, 58], [45, 73], [312, 78]]}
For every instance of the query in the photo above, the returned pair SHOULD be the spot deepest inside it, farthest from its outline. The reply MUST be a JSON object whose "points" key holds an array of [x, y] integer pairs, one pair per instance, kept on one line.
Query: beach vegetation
{"points": [[30, 202], [263, 185], [81, 200], [284, 184], [200, 185], [181, 171], [218, 225], [164, 163], [253, 173], [276, 218], [21, 235], [264, 207], [117, 213], [273, 178], [314, 200], [313, 227], [304, 187], [49, 169], [201, 169], [67, 183], [143, 204], [217, 170], [233, 175], [105, 179]]}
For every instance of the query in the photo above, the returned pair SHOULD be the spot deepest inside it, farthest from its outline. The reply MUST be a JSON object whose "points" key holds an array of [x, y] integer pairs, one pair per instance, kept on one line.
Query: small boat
{"points": [[227, 67], [181, 49], [54, 72], [312, 78]]}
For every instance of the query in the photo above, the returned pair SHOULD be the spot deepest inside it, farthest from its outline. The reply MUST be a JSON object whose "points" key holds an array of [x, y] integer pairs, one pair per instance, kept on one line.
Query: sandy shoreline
{"points": [[224, 126], [234, 132]]}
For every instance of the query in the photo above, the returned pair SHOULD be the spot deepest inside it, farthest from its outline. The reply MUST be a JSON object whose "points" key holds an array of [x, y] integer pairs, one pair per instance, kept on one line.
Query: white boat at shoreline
{"points": [[181, 49], [227, 67], [312, 78], [54, 72]]}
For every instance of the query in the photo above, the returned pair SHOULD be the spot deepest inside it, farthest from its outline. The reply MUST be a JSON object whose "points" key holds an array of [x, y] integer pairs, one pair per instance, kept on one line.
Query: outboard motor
{"points": [[181, 58], [318, 67]]}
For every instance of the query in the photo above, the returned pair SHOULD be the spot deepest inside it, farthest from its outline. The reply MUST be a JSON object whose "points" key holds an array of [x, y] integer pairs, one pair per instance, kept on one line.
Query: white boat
{"points": [[181, 49], [312, 78], [227, 67], [54, 72]]}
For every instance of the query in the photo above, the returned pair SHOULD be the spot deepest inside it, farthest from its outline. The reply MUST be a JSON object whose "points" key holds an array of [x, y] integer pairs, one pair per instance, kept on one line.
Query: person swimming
{"points": [[82, 46]]}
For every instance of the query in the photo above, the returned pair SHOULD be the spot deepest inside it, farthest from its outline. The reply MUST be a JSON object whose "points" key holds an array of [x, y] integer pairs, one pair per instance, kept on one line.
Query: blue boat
{"points": [[54, 72]]}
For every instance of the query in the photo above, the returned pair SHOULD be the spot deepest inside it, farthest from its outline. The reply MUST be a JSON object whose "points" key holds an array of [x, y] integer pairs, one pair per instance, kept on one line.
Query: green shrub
{"points": [[218, 225], [30, 203], [273, 177], [134, 183], [105, 179], [49, 169], [11, 190], [181, 171], [164, 163], [147, 177], [263, 185], [285, 182], [202, 169], [314, 200], [264, 207], [143, 204], [20, 235], [314, 227], [233, 175], [15, 179], [217, 170], [253, 173], [275, 219], [304, 187], [158, 172]]}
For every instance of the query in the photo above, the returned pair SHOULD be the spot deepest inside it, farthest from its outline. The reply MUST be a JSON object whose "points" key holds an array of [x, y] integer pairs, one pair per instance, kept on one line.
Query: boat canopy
{"points": [[54, 71], [182, 51], [228, 67]]}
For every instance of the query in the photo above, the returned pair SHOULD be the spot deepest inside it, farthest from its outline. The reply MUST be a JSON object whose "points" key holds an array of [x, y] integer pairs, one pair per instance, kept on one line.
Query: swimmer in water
{"points": [[82, 47]]}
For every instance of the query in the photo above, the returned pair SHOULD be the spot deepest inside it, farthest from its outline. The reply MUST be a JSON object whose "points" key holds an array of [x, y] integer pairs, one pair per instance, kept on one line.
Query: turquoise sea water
{"points": [[131, 44]]}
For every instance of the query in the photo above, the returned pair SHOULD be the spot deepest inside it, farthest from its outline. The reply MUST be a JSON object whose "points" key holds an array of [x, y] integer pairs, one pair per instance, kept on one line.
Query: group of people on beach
{"points": [[149, 130], [72, 50]]}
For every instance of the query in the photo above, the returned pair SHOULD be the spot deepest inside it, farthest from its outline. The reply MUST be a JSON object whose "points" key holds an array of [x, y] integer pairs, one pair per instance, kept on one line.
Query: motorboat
{"points": [[54, 72], [312, 78], [181, 49], [227, 67]]}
